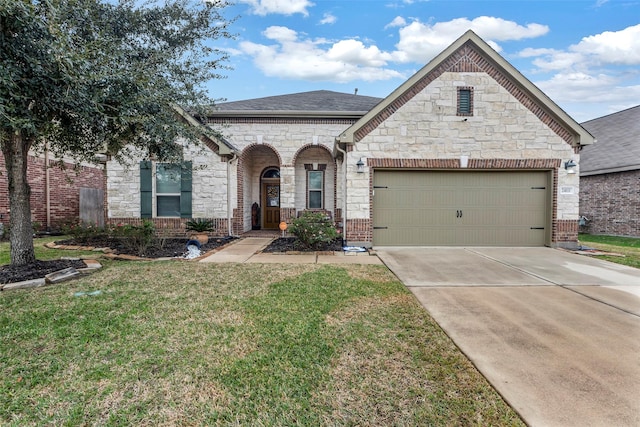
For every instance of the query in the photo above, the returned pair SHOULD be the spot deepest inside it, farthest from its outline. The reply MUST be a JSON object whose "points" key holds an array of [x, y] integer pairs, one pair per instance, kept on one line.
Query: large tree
{"points": [[85, 76]]}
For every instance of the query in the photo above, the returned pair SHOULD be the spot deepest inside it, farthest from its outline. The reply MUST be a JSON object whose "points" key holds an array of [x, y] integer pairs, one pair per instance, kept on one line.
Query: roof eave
{"points": [[225, 148], [285, 114], [610, 170]]}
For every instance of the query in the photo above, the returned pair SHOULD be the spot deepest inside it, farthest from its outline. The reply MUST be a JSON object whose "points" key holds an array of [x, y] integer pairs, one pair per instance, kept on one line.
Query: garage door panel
{"points": [[460, 208]]}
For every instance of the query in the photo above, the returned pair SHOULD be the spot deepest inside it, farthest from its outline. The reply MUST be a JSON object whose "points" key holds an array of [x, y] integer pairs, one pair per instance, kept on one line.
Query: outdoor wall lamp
{"points": [[360, 166], [570, 166]]}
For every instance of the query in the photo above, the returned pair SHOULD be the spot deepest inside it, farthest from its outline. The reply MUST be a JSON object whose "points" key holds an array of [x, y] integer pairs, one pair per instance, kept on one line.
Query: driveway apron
{"points": [[557, 334]]}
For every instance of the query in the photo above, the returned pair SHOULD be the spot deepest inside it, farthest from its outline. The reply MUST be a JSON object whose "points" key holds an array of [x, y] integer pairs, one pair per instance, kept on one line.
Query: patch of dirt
{"points": [[287, 244], [36, 270]]}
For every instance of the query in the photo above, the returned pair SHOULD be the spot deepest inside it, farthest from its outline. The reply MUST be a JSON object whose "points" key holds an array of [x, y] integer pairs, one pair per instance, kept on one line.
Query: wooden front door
{"points": [[271, 203]]}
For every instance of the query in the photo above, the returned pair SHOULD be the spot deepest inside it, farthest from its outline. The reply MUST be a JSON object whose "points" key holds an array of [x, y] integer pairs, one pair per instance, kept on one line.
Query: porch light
{"points": [[570, 166], [360, 166]]}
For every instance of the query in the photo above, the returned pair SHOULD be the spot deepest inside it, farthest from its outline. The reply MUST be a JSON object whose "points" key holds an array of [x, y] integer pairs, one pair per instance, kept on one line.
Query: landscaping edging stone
{"points": [[55, 277]]}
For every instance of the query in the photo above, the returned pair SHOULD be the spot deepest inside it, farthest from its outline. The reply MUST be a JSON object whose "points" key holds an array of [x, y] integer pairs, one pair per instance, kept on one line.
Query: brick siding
{"points": [[611, 202], [64, 186]]}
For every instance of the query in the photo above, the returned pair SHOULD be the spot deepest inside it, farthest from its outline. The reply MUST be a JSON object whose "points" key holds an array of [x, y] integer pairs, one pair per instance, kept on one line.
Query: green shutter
{"points": [[146, 189], [185, 190]]}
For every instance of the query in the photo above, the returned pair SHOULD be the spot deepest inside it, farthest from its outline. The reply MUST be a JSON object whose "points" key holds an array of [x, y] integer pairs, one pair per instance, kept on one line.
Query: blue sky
{"points": [[584, 54]]}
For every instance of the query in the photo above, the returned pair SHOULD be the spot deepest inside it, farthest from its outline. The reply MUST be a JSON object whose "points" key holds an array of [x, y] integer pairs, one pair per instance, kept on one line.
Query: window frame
{"points": [[321, 190], [461, 92], [178, 170]]}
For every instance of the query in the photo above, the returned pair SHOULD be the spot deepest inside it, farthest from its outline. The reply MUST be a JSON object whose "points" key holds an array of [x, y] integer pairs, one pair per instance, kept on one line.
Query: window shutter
{"points": [[185, 190], [146, 189]]}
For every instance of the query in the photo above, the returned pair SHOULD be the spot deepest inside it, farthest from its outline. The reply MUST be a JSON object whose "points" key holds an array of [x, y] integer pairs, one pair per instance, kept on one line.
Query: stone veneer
{"points": [[424, 132]]}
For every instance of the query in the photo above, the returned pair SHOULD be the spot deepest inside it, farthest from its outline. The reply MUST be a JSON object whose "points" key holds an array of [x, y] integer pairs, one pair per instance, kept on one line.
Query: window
{"points": [[465, 101], [172, 190], [315, 189], [168, 185]]}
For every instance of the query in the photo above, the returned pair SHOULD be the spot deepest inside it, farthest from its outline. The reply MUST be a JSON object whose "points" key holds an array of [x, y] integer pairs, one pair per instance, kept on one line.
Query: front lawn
{"points": [[627, 246], [187, 343]]}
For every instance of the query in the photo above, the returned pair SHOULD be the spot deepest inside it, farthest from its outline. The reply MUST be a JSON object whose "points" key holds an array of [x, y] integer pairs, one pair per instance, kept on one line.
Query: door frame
{"points": [[263, 196]]}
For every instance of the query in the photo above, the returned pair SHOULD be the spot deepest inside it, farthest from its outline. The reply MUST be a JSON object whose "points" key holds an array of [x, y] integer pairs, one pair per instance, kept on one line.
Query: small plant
{"points": [[200, 225], [313, 228], [136, 237]]}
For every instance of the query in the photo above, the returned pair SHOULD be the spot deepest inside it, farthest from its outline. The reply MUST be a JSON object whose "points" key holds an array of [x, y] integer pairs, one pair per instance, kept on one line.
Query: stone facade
{"points": [[512, 126], [501, 129], [611, 203]]}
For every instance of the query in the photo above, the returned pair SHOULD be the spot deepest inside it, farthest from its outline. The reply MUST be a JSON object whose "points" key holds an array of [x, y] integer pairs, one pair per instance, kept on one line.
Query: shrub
{"points": [[136, 237], [313, 228], [199, 225]]}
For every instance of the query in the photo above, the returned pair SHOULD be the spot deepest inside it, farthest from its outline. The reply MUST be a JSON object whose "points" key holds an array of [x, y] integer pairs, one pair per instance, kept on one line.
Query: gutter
{"points": [[229, 208], [47, 186], [344, 192]]}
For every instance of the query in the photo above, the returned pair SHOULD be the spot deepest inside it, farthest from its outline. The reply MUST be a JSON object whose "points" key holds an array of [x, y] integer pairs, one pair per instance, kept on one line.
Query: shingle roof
{"points": [[618, 143], [314, 101]]}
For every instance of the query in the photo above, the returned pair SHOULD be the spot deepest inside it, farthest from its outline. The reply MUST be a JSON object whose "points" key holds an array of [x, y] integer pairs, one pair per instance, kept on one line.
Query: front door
{"points": [[271, 203]]}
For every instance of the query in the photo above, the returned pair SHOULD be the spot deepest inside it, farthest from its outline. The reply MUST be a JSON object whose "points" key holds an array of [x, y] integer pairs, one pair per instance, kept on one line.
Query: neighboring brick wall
{"points": [[64, 189], [611, 202]]}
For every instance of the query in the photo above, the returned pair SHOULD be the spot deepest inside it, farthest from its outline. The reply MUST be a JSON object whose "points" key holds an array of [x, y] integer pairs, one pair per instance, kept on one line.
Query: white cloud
{"points": [[283, 7], [420, 42], [585, 89], [294, 57], [328, 18], [355, 52], [612, 47], [398, 21]]}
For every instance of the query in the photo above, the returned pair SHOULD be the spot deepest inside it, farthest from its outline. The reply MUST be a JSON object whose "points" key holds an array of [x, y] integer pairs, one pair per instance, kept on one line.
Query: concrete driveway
{"points": [[557, 334]]}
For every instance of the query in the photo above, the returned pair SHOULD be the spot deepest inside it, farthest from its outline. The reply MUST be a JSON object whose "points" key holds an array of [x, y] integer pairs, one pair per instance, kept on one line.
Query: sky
{"points": [[584, 54]]}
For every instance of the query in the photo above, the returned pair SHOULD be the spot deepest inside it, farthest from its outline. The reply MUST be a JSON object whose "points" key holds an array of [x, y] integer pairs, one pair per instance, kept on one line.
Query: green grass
{"points": [[627, 246], [186, 343], [42, 253]]}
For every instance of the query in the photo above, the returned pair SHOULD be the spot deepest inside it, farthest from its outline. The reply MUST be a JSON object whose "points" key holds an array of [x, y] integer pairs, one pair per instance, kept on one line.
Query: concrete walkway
{"points": [[248, 250]]}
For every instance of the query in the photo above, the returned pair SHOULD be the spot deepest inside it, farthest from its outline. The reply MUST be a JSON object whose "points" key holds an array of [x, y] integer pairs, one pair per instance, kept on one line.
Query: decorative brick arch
{"points": [[306, 147], [238, 212], [337, 212]]}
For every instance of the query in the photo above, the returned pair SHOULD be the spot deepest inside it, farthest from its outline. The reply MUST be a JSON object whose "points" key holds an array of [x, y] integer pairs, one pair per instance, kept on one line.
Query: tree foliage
{"points": [[89, 76]]}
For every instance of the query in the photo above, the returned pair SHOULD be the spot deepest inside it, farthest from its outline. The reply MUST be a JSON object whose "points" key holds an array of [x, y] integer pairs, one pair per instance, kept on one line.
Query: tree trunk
{"points": [[15, 149]]}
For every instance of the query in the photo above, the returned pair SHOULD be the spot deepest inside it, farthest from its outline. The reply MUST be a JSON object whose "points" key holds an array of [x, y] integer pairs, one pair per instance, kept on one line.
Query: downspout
{"points": [[344, 193], [47, 186], [229, 208]]}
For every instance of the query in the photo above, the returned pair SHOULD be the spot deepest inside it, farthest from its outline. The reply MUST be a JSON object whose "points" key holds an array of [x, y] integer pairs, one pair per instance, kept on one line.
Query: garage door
{"points": [[447, 208]]}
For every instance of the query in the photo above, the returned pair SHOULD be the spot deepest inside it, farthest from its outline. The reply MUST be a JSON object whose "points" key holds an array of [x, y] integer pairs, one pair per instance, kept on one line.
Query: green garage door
{"points": [[446, 208]]}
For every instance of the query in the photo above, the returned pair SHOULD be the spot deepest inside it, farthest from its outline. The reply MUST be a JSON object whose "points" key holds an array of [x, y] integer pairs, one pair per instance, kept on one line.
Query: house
{"points": [[57, 193], [610, 175], [465, 152]]}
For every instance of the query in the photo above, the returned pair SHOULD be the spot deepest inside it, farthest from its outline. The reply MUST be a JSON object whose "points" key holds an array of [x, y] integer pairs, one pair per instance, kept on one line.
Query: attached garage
{"points": [[461, 208]]}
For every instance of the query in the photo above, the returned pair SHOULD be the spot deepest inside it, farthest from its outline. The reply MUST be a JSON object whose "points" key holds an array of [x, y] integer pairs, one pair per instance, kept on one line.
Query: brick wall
{"points": [[64, 187], [173, 227], [611, 202]]}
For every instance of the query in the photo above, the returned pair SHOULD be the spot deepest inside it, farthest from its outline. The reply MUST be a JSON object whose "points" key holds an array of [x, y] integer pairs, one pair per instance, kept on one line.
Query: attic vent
{"points": [[465, 101]]}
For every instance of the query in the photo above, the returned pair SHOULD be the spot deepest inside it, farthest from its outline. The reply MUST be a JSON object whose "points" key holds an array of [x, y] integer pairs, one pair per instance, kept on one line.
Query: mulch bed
{"points": [[36, 270], [169, 248], [292, 244], [162, 248]]}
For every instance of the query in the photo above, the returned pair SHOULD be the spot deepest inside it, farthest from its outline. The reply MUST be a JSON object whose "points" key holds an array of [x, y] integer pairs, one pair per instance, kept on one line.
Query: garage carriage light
{"points": [[360, 166], [570, 166]]}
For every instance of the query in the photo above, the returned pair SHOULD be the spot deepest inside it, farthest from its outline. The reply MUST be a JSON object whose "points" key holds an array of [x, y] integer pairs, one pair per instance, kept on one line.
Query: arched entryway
{"points": [[259, 165], [270, 197]]}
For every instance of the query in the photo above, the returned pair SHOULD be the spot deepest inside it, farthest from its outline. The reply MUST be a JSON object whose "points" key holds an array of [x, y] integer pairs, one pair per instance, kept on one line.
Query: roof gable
{"points": [[472, 54], [618, 146]]}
